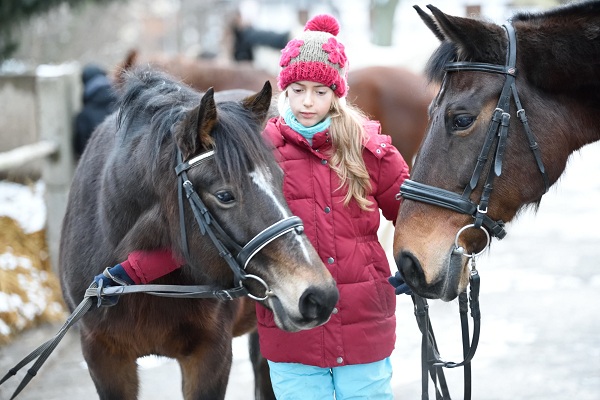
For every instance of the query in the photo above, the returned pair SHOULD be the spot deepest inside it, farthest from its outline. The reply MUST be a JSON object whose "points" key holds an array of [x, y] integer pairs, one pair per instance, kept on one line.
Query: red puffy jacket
{"points": [[363, 325]]}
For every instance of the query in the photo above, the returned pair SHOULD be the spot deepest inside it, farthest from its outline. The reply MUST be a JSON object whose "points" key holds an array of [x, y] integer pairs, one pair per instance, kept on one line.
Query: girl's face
{"points": [[310, 102]]}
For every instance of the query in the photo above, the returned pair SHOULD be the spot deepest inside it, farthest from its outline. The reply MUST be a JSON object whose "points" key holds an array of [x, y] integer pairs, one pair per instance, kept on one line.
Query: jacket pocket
{"points": [[377, 283], [387, 299]]}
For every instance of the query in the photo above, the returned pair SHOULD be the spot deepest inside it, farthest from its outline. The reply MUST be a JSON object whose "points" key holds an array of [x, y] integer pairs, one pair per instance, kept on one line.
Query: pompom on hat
{"points": [[316, 56]]}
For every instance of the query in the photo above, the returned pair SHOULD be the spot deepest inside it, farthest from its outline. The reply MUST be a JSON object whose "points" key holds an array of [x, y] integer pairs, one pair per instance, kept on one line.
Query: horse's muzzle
{"points": [[443, 285], [317, 304]]}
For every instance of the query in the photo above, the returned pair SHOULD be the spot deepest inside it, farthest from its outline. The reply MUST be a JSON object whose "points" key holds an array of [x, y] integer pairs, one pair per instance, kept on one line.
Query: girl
{"points": [[339, 172]]}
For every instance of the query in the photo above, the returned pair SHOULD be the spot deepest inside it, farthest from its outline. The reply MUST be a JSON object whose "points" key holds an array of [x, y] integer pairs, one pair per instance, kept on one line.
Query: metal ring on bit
{"points": [[487, 235], [268, 292]]}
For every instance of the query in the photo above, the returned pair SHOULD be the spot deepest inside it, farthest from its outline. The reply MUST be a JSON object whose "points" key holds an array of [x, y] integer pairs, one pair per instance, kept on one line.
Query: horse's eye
{"points": [[462, 121], [225, 197]]}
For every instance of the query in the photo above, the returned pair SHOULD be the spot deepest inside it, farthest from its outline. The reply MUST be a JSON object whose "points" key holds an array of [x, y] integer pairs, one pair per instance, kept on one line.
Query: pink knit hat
{"points": [[316, 56]]}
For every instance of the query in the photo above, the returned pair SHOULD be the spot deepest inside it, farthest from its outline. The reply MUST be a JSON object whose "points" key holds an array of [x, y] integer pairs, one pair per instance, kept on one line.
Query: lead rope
{"points": [[431, 363]]}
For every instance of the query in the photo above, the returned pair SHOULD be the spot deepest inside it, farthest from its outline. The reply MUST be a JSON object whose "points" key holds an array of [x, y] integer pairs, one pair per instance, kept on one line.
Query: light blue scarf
{"points": [[309, 132]]}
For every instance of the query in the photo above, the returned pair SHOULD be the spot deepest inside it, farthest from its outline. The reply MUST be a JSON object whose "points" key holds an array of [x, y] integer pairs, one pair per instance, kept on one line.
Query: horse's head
{"points": [[476, 167], [239, 181]]}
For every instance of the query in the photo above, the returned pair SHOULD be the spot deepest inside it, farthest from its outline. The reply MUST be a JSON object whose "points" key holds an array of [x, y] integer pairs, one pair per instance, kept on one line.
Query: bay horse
{"points": [[515, 102], [396, 97], [199, 74], [127, 194]]}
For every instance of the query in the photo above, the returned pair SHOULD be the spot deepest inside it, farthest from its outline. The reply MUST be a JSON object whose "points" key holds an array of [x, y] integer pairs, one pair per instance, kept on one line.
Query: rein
{"points": [[431, 362], [207, 225], [497, 133]]}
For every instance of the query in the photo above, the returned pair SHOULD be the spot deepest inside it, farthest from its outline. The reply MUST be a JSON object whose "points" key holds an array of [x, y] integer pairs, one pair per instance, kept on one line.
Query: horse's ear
{"points": [[430, 23], [194, 133], [259, 103], [207, 118], [131, 60], [475, 40]]}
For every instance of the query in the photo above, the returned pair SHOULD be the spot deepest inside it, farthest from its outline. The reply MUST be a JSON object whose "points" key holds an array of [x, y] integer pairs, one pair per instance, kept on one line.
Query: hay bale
{"points": [[29, 290]]}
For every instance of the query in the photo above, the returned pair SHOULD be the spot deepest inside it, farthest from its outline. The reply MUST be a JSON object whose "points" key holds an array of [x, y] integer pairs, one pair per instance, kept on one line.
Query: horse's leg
{"points": [[245, 322], [205, 371], [262, 378], [114, 374]]}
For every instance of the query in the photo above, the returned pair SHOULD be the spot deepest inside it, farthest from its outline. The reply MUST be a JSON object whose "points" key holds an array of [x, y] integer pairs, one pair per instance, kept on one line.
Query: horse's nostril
{"points": [[408, 266], [315, 304]]}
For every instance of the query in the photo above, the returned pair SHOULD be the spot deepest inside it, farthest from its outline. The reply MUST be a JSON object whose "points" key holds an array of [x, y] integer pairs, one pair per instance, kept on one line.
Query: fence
{"points": [[36, 130]]}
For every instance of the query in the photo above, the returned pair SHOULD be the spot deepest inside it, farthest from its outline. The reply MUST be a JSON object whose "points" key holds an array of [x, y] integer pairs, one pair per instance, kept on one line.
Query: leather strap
{"points": [[431, 362], [444, 198], [267, 236]]}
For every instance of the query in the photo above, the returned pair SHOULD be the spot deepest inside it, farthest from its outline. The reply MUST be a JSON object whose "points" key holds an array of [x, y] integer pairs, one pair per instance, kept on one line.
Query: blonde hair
{"points": [[348, 137]]}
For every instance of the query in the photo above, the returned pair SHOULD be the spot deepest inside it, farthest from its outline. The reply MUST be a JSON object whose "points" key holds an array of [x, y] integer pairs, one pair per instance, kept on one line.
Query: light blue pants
{"points": [[293, 381]]}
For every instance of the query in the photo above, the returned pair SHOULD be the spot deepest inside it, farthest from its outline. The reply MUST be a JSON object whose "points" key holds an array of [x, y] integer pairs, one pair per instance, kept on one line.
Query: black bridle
{"points": [[222, 241], [498, 129], [497, 134], [207, 225]]}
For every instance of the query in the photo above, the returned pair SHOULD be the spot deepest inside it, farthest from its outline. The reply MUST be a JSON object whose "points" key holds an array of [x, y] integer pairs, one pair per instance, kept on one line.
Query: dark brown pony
{"points": [[398, 98], [527, 141], [395, 96], [125, 197]]}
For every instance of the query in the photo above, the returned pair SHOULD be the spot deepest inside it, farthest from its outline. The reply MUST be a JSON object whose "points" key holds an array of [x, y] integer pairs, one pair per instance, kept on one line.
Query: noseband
{"points": [[431, 362], [222, 241]]}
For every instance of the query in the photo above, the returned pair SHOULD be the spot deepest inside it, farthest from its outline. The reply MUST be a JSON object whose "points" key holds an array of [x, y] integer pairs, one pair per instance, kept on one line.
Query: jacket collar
{"points": [[321, 140]]}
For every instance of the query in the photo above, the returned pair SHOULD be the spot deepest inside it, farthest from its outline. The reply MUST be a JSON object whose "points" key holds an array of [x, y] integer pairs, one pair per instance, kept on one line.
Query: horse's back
{"points": [[203, 74]]}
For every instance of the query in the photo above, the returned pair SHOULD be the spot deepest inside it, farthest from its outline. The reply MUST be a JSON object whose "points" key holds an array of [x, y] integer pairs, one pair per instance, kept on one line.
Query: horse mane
{"points": [[153, 103], [445, 53]]}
